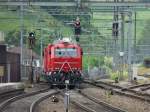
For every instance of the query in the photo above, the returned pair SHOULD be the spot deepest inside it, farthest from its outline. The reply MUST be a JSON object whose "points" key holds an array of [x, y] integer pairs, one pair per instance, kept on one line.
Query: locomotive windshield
{"points": [[66, 52]]}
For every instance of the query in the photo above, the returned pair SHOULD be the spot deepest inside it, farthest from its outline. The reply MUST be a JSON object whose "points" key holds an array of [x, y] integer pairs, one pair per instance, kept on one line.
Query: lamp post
{"points": [[31, 40]]}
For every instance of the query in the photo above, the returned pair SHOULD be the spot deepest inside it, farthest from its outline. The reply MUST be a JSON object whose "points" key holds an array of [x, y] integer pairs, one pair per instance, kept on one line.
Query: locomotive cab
{"points": [[63, 62]]}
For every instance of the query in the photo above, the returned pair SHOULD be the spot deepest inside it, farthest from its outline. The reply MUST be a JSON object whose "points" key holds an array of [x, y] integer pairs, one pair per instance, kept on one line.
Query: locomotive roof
{"points": [[67, 40]]}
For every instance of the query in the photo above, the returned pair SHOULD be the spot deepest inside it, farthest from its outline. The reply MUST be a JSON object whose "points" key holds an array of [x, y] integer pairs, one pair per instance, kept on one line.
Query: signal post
{"points": [[31, 40], [77, 29]]}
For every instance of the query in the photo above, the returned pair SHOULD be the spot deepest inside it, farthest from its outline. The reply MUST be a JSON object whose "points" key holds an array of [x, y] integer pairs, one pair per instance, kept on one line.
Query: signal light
{"points": [[115, 29], [77, 28], [31, 34], [31, 39]]}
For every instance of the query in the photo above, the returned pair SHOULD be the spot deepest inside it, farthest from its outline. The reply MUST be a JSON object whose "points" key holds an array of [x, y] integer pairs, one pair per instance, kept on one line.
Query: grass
{"points": [[10, 21]]}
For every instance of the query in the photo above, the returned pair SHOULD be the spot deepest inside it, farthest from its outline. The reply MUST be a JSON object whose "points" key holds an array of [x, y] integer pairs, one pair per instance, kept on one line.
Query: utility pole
{"points": [[122, 40], [78, 3], [129, 34], [135, 16], [41, 46], [122, 29], [115, 35], [39, 21], [21, 37]]}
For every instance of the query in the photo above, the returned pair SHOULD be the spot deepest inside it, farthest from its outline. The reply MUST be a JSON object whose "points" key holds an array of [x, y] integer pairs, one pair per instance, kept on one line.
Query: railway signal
{"points": [[115, 29], [77, 29], [31, 39]]}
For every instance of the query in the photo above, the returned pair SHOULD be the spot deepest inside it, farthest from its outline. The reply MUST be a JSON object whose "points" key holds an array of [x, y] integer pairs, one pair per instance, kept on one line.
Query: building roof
{"points": [[26, 52]]}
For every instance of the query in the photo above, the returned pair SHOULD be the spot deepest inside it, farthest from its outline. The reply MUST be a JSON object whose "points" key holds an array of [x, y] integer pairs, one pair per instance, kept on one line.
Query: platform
{"points": [[6, 87]]}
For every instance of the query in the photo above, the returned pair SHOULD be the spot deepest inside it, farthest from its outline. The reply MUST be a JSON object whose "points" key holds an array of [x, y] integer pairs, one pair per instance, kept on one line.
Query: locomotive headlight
{"points": [[49, 73]]}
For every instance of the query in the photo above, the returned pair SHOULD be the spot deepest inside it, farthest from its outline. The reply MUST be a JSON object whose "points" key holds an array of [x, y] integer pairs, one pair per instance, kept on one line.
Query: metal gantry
{"points": [[74, 4]]}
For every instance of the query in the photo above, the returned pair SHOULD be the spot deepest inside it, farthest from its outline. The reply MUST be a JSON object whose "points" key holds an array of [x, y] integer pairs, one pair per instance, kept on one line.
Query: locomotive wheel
{"points": [[51, 86], [77, 86]]}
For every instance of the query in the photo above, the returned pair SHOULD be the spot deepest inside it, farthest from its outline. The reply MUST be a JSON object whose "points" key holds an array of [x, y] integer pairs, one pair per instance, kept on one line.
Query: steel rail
{"points": [[8, 94], [145, 88], [104, 105], [115, 109], [13, 99], [74, 4], [3, 94], [122, 91], [87, 109], [42, 98], [138, 86]]}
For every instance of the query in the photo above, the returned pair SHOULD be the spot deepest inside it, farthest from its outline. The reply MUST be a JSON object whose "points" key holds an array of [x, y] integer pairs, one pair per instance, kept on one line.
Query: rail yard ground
{"points": [[126, 103], [104, 93]]}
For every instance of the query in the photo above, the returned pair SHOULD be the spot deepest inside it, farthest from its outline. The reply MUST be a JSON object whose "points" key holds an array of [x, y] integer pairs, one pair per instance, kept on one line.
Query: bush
{"points": [[108, 61], [115, 75], [107, 69], [92, 61]]}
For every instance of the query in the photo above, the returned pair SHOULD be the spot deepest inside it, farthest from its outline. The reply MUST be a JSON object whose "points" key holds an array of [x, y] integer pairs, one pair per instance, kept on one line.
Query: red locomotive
{"points": [[63, 61]]}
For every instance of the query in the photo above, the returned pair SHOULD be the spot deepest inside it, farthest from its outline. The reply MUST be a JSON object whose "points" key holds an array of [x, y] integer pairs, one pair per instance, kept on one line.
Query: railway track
{"points": [[36, 102], [18, 101], [141, 87], [130, 92], [145, 88], [91, 104], [8, 94]]}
